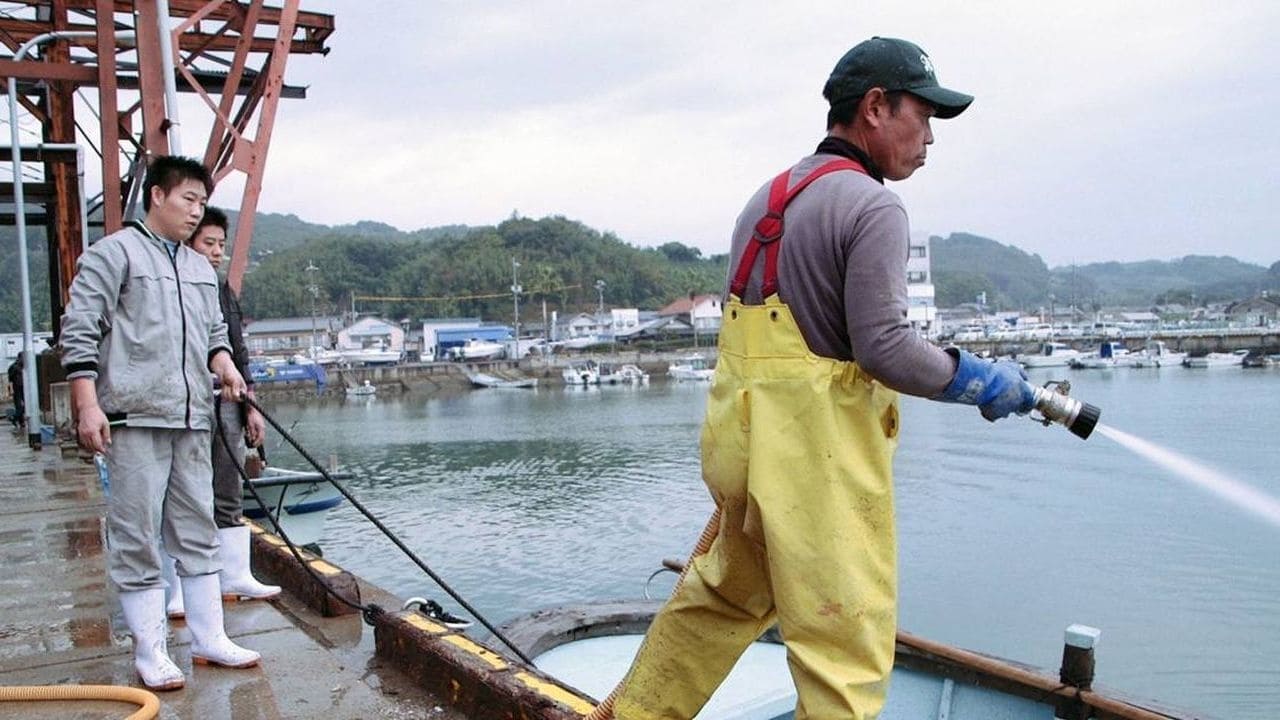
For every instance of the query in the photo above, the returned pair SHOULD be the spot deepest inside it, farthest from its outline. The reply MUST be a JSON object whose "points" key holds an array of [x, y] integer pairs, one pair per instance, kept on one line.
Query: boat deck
{"points": [[60, 622]]}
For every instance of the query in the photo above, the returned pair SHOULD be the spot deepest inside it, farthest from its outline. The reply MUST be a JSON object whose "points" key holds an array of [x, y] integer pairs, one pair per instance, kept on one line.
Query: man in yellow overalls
{"points": [[802, 417]]}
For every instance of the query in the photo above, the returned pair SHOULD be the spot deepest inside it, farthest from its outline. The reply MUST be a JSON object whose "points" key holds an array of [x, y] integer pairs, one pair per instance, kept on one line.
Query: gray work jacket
{"points": [[144, 324]]}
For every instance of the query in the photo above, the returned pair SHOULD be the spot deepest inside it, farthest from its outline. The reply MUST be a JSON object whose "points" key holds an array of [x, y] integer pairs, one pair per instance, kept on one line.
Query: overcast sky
{"points": [[1101, 131]]}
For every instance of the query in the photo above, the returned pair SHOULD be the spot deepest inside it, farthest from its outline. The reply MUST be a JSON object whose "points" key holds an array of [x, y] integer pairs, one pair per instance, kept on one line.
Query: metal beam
{"points": [[253, 162]]}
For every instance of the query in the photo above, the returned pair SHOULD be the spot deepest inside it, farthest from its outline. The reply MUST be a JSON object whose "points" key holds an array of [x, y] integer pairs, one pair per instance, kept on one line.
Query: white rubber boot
{"points": [[236, 578], [169, 571], [209, 642], [144, 614]]}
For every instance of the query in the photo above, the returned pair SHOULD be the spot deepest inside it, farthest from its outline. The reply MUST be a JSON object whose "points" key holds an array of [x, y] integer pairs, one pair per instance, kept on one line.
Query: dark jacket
{"points": [[234, 318]]}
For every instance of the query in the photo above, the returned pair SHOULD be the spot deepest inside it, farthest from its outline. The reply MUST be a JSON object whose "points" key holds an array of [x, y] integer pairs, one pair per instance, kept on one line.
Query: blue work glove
{"points": [[997, 388]]}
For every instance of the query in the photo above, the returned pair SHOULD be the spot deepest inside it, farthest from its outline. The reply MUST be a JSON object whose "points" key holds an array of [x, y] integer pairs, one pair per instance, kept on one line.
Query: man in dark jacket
{"points": [[235, 422]]}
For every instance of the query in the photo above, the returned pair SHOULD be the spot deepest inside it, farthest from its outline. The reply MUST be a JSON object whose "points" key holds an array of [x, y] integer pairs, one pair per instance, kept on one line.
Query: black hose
{"points": [[374, 609]]}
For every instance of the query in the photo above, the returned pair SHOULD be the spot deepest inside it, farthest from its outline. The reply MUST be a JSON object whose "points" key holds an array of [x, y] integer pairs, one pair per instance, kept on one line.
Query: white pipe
{"points": [[170, 83], [30, 386]]}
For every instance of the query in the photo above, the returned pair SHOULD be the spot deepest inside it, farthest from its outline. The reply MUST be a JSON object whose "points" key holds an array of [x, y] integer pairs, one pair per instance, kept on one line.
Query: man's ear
{"points": [[874, 106]]}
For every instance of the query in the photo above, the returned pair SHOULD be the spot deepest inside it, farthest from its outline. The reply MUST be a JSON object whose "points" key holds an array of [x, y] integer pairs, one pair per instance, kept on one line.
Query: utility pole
{"points": [[315, 292], [515, 300]]}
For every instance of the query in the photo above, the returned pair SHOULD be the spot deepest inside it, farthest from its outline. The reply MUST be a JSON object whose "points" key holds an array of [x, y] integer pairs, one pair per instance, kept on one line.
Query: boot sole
{"points": [[175, 685], [214, 663]]}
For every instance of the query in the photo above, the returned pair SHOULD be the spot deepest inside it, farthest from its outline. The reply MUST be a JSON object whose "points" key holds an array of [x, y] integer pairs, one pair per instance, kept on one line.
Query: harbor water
{"points": [[1008, 532]]}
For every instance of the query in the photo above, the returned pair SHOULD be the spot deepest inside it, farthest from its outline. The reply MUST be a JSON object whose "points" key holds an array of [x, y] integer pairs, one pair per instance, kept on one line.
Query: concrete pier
{"points": [[60, 621]]}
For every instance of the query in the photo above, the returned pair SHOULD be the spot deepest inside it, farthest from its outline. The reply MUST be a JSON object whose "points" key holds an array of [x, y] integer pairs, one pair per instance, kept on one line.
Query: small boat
{"points": [[1216, 359], [477, 349], [362, 390], [1157, 354], [1052, 354], [590, 647], [622, 375], [693, 367], [299, 501], [485, 380], [584, 372], [1111, 354], [1258, 360], [378, 355], [321, 356]]}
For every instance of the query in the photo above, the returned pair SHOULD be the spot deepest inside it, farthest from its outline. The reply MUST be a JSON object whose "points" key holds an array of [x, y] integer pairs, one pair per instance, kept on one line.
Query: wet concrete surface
{"points": [[60, 621]]}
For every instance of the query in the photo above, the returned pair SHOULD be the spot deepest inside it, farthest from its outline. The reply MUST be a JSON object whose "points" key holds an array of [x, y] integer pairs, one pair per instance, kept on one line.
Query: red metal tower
{"points": [[232, 54]]}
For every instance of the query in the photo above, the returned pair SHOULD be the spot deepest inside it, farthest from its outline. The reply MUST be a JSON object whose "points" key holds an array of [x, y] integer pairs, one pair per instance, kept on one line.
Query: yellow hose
{"points": [[149, 704]]}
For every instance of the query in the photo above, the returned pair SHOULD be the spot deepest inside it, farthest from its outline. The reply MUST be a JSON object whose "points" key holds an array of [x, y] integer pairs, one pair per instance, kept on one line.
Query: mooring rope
{"points": [[370, 610]]}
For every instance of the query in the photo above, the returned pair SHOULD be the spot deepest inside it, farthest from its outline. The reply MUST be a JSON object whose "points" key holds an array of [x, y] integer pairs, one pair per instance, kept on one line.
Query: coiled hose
{"points": [[149, 704], [604, 711]]}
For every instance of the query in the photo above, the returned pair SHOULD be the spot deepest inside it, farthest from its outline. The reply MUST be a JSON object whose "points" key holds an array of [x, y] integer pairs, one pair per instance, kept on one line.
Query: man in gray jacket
{"points": [[140, 335]]}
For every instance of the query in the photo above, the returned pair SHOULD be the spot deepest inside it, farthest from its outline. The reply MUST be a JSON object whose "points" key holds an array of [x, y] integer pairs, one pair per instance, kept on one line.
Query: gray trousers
{"points": [[160, 488], [227, 483]]}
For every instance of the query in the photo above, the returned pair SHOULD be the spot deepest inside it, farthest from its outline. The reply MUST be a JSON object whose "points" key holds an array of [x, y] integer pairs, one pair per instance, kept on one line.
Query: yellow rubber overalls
{"points": [[797, 451]]}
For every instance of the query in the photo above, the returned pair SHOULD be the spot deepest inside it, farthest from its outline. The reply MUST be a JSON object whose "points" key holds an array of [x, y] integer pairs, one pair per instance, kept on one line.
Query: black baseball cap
{"points": [[891, 64]]}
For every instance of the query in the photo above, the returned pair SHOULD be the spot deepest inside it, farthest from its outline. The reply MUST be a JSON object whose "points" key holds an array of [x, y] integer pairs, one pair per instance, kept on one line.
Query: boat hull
{"points": [[590, 647], [298, 501]]}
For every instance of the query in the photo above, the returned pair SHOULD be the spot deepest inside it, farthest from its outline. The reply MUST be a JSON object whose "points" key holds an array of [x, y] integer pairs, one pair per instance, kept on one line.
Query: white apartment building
{"points": [[921, 310]]}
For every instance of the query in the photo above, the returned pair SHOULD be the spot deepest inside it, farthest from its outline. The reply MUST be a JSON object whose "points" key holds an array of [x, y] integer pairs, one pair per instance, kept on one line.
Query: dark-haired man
{"points": [[238, 422], [802, 417], [140, 336]]}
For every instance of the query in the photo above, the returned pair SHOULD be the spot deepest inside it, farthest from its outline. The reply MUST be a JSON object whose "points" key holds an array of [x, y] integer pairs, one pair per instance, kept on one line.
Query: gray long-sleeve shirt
{"points": [[842, 270]]}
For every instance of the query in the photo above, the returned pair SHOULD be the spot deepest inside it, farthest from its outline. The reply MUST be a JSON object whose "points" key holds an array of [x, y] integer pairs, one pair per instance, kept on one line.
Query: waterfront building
{"points": [[921, 310], [289, 336]]}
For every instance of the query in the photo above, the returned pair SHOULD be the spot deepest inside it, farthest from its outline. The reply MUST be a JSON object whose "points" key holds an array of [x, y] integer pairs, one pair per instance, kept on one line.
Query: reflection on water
{"points": [[1007, 532]]}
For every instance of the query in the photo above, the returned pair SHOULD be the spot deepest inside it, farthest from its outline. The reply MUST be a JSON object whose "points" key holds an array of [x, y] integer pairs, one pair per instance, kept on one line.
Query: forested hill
{"points": [[468, 271], [966, 265]]}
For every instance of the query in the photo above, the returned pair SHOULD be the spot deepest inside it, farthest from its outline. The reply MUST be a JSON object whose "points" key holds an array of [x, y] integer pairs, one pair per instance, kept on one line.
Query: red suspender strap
{"points": [[769, 230]]}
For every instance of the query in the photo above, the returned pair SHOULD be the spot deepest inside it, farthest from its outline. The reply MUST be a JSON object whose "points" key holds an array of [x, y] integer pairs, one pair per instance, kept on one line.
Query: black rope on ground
{"points": [[378, 524]]}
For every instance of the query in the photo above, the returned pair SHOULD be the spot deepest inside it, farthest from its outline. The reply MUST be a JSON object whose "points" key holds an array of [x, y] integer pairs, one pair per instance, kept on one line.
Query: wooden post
{"points": [[1077, 670]]}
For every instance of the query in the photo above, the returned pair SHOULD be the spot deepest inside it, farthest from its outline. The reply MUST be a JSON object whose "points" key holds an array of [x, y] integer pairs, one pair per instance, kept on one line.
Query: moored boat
{"points": [[693, 367], [584, 372], [622, 375], [1217, 360], [1052, 354], [299, 501], [1111, 354], [364, 390], [477, 349], [370, 356], [1157, 354]]}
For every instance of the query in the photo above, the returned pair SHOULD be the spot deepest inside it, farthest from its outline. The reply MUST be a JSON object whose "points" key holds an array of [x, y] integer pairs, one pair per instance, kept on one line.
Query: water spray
{"points": [[1055, 405]]}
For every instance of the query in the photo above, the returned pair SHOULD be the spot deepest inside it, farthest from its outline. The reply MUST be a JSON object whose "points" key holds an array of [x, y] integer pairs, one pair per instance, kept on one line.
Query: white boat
{"points": [[477, 349], [299, 501], [1157, 354], [622, 375], [370, 356], [485, 380], [1111, 354], [584, 372], [582, 341], [1216, 359], [1052, 354], [362, 390], [693, 367], [590, 647], [320, 356]]}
